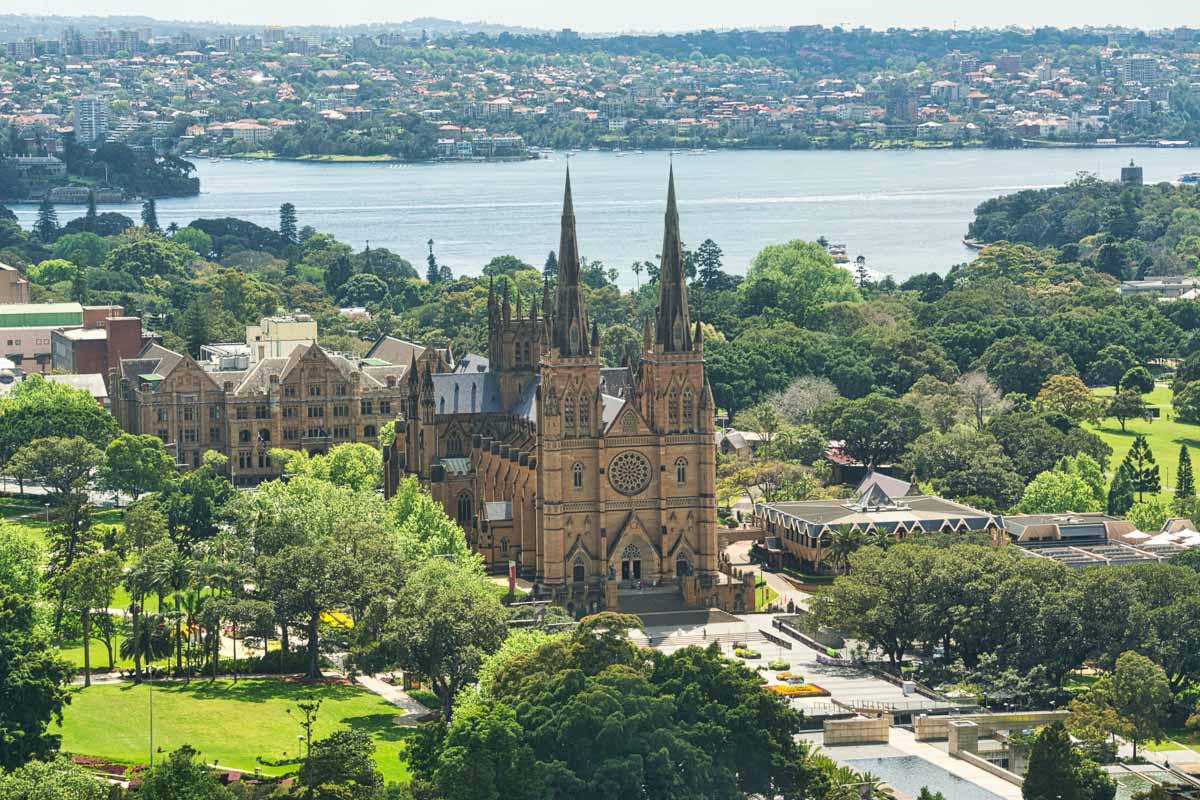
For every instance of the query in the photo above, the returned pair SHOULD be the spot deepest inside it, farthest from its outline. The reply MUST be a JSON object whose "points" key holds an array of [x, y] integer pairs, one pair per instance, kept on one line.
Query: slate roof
{"points": [[466, 393], [617, 381]]}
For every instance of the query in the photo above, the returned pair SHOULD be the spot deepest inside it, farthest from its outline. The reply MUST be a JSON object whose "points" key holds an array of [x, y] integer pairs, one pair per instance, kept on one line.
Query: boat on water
{"points": [[1190, 177]]}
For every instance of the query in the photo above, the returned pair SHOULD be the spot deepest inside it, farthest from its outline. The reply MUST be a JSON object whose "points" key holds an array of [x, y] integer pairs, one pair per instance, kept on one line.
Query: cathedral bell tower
{"points": [[570, 419]]}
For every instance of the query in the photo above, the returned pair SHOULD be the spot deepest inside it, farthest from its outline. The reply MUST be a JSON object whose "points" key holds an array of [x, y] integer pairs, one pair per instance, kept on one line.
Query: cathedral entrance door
{"points": [[631, 569]]}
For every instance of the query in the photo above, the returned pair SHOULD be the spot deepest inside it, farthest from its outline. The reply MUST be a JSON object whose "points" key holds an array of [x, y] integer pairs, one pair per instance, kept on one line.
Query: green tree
{"points": [[21, 559], [1141, 697], [62, 465], [306, 581], [338, 273], [150, 214], [1120, 493], [1023, 364], [1055, 492], [33, 685], [195, 240], [760, 418], [136, 464], [1185, 482], [708, 265], [183, 776], [145, 255], [60, 779], [447, 618], [342, 765], [45, 227], [796, 278], [1149, 514], [1069, 396], [1187, 403], [1056, 770], [287, 224], [37, 409], [1126, 405], [874, 429], [1143, 471], [1138, 379], [52, 271], [1110, 365], [91, 583], [879, 600]]}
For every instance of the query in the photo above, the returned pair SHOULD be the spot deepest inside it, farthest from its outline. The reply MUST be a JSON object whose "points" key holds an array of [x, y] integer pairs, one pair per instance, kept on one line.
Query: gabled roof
{"points": [[892, 487]]}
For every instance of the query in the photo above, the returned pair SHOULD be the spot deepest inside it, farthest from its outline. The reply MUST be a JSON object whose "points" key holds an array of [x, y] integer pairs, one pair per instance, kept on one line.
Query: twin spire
{"points": [[570, 322]]}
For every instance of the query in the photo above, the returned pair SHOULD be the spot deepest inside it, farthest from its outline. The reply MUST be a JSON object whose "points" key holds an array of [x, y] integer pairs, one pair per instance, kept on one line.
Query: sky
{"points": [[639, 15]]}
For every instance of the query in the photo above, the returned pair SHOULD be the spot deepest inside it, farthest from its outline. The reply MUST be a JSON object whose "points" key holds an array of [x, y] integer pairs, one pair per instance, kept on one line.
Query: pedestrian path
{"points": [[412, 711]]}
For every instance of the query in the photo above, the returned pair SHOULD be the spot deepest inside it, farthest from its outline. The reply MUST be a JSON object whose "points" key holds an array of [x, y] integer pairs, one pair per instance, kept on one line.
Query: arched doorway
{"points": [[631, 563], [578, 573], [683, 567]]}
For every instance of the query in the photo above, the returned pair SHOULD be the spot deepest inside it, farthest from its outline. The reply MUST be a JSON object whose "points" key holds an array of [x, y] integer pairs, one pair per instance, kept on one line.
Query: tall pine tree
{"points": [[46, 225], [433, 274], [550, 271], [89, 219], [1185, 482], [287, 224], [1143, 471], [150, 214]]}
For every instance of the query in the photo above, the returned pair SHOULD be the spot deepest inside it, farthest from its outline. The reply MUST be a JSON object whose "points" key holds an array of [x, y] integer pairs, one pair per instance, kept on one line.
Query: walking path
{"points": [[412, 710]]}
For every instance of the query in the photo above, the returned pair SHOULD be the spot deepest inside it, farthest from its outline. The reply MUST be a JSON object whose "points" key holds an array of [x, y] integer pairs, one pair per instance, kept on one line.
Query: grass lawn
{"points": [[73, 651], [16, 507], [232, 724], [1164, 435]]}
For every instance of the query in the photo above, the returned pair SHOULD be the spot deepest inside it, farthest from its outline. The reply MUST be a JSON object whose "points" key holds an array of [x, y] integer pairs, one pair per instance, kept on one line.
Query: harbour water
{"points": [[905, 211]]}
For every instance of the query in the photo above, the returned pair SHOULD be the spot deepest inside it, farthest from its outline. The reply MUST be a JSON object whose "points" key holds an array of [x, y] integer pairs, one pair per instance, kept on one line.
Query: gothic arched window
{"points": [[528, 354], [577, 476], [673, 408], [585, 415], [689, 409], [681, 471], [569, 412], [464, 508], [454, 445]]}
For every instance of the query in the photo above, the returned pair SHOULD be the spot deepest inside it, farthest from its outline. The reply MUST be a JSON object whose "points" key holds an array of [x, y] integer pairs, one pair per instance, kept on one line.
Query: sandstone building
{"points": [[593, 482]]}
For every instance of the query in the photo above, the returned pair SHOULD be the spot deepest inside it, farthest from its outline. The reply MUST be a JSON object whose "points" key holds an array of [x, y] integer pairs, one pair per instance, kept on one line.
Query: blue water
{"points": [[905, 211], [910, 774]]}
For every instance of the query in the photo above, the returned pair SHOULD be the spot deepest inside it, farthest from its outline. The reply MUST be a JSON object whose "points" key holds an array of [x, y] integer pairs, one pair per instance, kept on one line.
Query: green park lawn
{"points": [[232, 724], [1164, 435]]}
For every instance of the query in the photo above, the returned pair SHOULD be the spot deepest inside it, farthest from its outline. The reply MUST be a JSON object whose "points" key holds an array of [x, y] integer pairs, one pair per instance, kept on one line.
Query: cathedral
{"points": [[595, 483]]}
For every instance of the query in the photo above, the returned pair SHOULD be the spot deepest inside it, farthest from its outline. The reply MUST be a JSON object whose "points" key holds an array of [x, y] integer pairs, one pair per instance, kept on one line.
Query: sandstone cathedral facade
{"points": [[592, 481]]}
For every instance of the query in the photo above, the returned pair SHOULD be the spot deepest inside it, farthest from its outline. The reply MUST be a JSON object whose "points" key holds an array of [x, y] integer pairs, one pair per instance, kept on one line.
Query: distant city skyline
{"points": [[629, 15]]}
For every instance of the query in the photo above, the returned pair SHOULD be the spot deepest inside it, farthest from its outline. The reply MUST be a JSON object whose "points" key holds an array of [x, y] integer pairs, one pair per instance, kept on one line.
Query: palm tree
{"points": [[175, 575], [148, 641], [844, 541], [879, 538], [637, 273]]}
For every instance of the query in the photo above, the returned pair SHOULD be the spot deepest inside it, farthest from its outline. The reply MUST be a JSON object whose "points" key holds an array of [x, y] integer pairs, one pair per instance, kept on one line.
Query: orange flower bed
{"points": [[803, 690]]}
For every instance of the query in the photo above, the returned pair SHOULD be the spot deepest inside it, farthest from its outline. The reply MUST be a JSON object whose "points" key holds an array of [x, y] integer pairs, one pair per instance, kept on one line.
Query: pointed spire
{"points": [[570, 315], [698, 336], [518, 304], [533, 309], [673, 330], [595, 335], [646, 340], [507, 306]]}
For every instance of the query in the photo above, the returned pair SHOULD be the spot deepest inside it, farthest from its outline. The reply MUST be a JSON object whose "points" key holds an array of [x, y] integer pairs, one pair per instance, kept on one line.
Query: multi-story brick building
{"points": [[310, 400]]}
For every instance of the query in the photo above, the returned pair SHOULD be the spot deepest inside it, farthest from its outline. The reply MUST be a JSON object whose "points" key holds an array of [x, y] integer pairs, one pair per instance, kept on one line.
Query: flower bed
{"points": [[802, 690], [745, 652]]}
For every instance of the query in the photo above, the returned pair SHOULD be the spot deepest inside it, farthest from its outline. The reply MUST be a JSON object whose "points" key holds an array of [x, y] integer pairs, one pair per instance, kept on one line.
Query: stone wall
{"points": [[859, 730], [929, 728]]}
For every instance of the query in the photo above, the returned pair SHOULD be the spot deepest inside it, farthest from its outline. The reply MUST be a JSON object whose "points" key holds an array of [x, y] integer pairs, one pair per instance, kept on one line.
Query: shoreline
{"points": [[540, 153]]}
